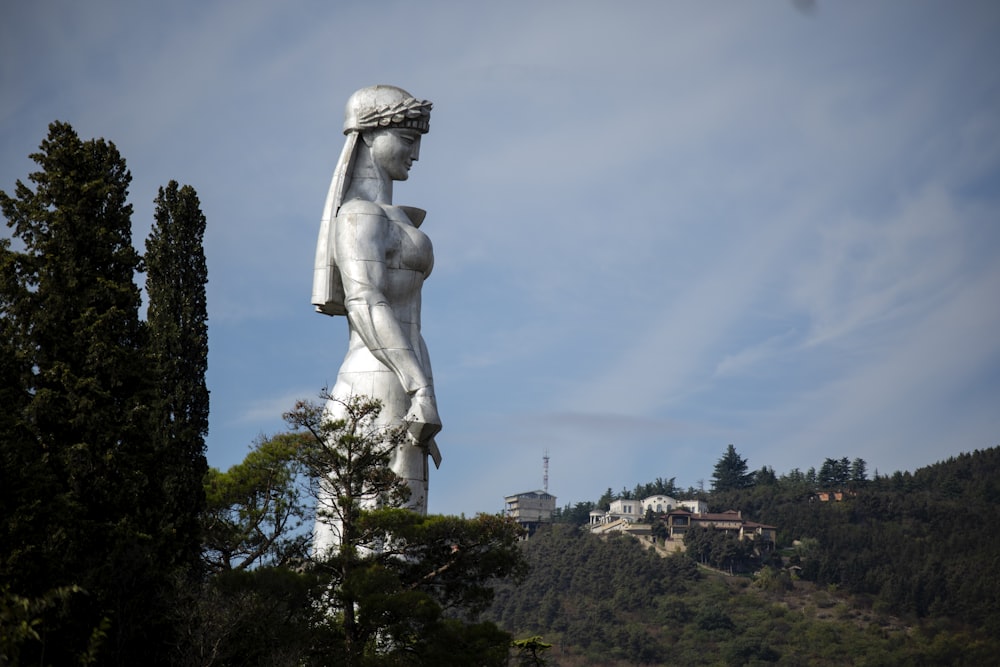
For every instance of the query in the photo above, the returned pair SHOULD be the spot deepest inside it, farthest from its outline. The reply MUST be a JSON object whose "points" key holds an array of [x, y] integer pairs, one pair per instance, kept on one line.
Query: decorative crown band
{"points": [[409, 113]]}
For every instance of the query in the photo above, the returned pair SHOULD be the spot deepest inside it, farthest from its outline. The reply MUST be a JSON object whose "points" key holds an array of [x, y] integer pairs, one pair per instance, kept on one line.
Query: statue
{"points": [[371, 263]]}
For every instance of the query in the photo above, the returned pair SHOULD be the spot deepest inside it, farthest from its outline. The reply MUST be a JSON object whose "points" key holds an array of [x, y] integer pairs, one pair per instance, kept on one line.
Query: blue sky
{"points": [[660, 227]]}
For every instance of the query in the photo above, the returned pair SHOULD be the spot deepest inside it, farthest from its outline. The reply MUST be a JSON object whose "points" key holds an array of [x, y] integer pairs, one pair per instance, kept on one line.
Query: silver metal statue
{"points": [[371, 263]]}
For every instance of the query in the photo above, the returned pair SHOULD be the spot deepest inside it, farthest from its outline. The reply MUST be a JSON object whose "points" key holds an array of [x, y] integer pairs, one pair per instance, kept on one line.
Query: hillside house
{"points": [[732, 522], [680, 520], [632, 510]]}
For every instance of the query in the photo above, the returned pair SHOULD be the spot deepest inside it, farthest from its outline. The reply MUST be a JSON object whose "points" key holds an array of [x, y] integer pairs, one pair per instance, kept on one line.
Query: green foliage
{"points": [[913, 543], [658, 487], [731, 472], [834, 474], [349, 458], [530, 651], [404, 589], [88, 509], [909, 545], [176, 275], [578, 514], [24, 623], [773, 580], [455, 560], [255, 511], [601, 602], [401, 585], [718, 549], [102, 435], [765, 476], [579, 588], [859, 472]]}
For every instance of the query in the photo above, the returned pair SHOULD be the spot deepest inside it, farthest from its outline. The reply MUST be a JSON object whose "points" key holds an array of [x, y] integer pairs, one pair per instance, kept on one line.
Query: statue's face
{"points": [[395, 150]]}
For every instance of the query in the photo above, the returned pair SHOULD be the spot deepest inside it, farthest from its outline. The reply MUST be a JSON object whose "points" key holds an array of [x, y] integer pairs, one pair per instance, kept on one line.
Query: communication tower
{"points": [[545, 471]]}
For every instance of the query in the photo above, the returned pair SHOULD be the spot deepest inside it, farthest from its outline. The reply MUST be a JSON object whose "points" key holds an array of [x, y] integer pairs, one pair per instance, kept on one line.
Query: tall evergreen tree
{"points": [[19, 469], [87, 504], [176, 275], [835, 473], [828, 473], [731, 472], [859, 471]]}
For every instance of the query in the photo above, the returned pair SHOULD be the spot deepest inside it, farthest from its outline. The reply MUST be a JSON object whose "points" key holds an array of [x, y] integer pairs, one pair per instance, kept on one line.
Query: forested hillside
{"points": [[900, 572], [916, 544]]}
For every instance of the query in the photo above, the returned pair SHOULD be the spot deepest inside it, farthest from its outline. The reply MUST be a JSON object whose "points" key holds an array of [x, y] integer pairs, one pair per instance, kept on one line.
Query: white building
{"points": [[659, 504], [695, 506], [530, 508], [632, 510]]}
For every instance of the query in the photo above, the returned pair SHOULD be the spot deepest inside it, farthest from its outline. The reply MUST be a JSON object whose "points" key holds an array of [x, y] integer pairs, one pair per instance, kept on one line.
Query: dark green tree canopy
{"points": [[731, 472], [178, 314], [177, 349], [73, 306], [94, 523]]}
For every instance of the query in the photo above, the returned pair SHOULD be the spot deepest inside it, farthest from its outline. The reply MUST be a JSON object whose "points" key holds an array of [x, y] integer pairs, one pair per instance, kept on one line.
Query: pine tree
{"points": [[835, 473], [859, 471], [828, 474], [731, 472], [604, 502], [394, 573], [255, 510], [812, 481], [178, 350]]}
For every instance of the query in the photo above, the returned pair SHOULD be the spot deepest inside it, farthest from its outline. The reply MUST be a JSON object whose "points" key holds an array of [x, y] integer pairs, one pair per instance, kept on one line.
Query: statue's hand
{"points": [[423, 422]]}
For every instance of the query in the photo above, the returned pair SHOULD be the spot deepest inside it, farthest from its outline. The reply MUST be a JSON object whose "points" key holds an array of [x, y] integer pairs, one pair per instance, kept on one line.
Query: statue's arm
{"points": [[361, 238]]}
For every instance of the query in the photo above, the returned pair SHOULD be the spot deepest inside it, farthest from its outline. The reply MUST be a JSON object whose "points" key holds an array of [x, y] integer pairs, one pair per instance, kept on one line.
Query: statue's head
{"points": [[383, 107]]}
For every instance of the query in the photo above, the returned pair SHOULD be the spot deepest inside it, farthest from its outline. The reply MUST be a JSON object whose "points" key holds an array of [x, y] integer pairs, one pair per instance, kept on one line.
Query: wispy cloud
{"points": [[867, 272], [747, 358]]}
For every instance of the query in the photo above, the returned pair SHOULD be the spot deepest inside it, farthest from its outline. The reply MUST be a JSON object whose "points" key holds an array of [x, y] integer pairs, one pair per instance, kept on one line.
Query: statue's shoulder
{"points": [[361, 207]]}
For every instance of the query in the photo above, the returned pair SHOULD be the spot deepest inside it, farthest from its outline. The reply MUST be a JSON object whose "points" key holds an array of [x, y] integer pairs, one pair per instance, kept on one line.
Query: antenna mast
{"points": [[545, 471]]}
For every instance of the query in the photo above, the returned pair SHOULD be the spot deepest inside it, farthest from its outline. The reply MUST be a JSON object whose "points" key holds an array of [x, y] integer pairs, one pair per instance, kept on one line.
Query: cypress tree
{"points": [[178, 349], [71, 301]]}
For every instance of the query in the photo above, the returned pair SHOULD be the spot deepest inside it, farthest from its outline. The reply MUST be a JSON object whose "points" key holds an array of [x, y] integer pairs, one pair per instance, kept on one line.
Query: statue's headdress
{"points": [[385, 106], [371, 108]]}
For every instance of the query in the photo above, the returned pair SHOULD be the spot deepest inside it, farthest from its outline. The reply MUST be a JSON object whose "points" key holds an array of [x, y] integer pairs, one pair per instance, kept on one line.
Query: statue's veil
{"points": [[328, 290]]}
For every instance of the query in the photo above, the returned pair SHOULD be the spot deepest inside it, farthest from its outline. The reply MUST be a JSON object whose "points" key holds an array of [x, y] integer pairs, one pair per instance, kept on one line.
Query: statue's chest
{"points": [[408, 247]]}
